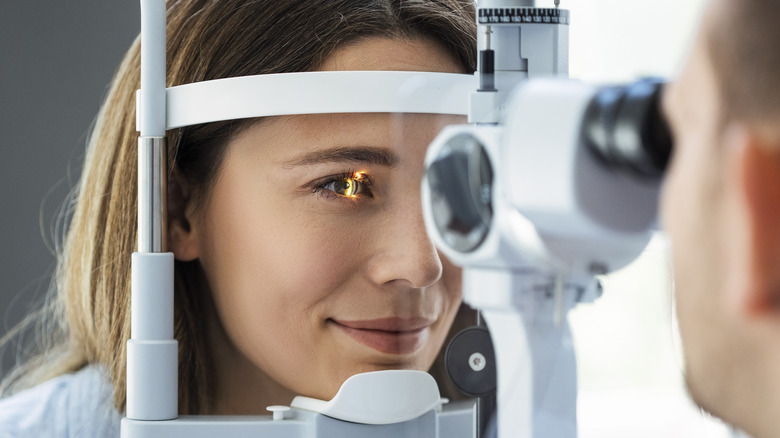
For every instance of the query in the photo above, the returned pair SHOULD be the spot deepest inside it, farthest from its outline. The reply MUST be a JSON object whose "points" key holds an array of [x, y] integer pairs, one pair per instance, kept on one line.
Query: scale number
{"points": [[497, 16]]}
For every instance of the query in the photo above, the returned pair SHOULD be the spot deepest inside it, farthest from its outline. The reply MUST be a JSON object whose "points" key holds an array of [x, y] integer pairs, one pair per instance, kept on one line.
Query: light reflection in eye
{"points": [[350, 186]]}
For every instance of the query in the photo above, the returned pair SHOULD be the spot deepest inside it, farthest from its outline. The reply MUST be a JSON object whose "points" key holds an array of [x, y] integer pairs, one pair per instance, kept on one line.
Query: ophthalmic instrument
{"points": [[551, 184]]}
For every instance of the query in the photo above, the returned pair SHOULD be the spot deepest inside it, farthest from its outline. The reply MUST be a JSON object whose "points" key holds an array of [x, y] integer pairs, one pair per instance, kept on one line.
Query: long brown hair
{"points": [[88, 318]]}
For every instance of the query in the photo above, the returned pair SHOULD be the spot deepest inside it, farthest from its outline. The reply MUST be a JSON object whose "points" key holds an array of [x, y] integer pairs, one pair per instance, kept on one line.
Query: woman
{"points": [[301, 252]]}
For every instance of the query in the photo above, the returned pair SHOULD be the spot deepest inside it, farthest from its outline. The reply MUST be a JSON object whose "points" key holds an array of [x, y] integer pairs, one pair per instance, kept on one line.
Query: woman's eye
{"points": [[349, 185]]}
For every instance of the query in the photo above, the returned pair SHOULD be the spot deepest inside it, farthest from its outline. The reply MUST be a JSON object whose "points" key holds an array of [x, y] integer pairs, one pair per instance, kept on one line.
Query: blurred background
{"points": [[57, 58], [629, 356]]}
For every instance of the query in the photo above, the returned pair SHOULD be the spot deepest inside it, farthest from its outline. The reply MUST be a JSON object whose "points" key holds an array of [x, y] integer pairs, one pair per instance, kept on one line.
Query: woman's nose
{"points": [[404, 253]]}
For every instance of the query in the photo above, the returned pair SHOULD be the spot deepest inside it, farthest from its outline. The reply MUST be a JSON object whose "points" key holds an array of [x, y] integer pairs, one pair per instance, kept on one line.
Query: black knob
{"points": [[471, 362]]}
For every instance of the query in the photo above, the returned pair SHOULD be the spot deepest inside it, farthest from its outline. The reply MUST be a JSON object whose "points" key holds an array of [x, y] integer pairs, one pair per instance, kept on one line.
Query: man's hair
{"points": [[743, 45]]}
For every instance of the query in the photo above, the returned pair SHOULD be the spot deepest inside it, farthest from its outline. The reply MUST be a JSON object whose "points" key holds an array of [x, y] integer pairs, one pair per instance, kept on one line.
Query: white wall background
{"points": [[624, 39], [630, 364]]}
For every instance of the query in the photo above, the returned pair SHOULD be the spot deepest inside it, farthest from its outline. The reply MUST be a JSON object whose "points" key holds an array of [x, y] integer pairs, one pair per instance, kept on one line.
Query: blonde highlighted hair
{"points": [[87, 319]]}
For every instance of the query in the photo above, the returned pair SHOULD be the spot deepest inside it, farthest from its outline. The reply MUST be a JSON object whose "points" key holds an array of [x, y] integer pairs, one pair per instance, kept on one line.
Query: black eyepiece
{"points": [[625, 127]]}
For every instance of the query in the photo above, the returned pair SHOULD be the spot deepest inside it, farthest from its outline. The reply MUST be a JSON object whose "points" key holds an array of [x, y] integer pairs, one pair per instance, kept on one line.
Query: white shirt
{"points": [[71, 405]]}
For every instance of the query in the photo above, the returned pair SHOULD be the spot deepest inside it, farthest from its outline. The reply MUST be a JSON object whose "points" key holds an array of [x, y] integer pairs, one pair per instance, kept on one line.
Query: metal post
{"points": [[152, 194]]}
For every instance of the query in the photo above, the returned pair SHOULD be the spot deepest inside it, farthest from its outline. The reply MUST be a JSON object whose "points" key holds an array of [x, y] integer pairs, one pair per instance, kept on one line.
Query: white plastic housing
{"points": [[512, 241], [559, 216], [152, 296], [585, 213], [152, 353], [321, 92], [522, 51], [556, 207], [152, 380], [380, 397], [537, 375], [152, 95]]}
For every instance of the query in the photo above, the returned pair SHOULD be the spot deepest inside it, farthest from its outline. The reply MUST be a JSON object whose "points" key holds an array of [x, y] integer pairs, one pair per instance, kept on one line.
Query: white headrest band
{"points": [[317, 93]]}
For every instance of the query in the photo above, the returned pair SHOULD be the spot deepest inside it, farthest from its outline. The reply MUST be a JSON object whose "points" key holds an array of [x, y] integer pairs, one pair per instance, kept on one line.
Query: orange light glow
{"points": [[353, 184]]}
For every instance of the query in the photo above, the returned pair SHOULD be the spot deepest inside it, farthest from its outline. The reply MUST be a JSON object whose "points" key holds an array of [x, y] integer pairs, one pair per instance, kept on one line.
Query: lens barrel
{"points": [[460, 180], [625, 127]]}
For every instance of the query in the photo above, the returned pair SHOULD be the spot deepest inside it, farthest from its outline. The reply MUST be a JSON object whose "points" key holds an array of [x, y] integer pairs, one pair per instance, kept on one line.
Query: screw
{"points": [[477, 362], [277, 412], [597, 268]]}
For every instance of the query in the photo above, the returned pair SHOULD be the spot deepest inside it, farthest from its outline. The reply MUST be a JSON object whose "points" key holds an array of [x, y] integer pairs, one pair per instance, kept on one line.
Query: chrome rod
{"points": [[152, 194]]}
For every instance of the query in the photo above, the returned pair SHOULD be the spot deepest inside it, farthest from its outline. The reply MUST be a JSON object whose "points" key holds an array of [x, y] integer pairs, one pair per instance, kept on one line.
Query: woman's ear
{"points": [[757, 178], [183, 238]]}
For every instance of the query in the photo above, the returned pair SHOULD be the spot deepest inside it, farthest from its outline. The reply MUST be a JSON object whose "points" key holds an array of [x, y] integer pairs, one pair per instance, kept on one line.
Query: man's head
{"points": [[722, 210]]}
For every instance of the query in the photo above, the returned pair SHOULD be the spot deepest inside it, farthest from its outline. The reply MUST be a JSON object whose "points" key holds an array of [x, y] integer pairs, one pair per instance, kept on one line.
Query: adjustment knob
{"points": [[471, 362]]}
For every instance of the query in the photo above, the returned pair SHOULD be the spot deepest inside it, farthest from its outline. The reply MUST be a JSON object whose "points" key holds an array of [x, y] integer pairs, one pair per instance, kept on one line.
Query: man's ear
{"points": [[756, 174], [183, 235]]}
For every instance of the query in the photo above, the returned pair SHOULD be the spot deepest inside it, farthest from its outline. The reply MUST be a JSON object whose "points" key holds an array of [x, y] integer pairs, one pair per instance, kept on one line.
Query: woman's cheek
{"points": [[320, 256]]}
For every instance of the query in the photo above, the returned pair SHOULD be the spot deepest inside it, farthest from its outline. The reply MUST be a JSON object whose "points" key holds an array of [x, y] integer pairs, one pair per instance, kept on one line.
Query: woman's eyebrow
{"points": [[361, 155]]}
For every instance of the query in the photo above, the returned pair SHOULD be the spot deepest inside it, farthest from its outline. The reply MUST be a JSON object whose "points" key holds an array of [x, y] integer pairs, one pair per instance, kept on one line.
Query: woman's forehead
{"points": [[289, 136], [393, 54]]}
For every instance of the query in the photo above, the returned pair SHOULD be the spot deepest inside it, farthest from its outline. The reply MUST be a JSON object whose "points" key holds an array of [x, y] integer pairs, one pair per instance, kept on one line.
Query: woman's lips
{"points": [[388, 335]]}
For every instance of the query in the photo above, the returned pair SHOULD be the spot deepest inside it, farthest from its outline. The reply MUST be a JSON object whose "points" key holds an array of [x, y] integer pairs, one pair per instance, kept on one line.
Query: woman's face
{"points": [[314, 246]]}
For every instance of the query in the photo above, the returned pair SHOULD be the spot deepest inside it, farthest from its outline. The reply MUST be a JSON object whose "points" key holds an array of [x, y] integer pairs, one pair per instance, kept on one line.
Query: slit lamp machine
{"points": [[528, 255]]}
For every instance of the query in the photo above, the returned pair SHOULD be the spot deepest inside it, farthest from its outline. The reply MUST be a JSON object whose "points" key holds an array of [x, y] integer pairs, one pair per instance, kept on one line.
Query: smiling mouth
{"points": [[388, 335]]}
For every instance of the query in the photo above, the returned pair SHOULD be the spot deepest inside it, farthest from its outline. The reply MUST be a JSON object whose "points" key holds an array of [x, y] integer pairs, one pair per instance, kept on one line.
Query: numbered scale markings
{"points": [[498, 16]]}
